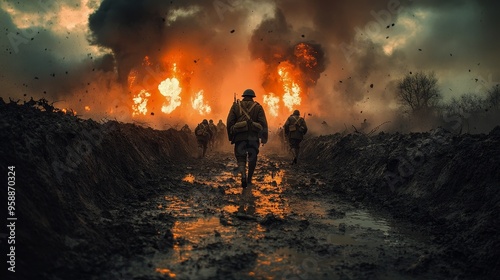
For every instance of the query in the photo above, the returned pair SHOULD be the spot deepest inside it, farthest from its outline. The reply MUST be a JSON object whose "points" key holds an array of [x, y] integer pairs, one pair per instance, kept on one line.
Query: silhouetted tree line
{"points": [[421, 101]]}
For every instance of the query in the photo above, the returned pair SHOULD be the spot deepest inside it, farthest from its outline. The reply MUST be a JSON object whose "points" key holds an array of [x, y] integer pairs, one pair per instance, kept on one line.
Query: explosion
{"points": [[289, 82], [157, 87]]}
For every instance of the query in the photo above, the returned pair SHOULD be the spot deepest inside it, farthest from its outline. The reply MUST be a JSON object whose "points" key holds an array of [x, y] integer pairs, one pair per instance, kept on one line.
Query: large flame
{"points": [[140, 103], [199, 105], [291, 88], [272, 102], [170, 88]]}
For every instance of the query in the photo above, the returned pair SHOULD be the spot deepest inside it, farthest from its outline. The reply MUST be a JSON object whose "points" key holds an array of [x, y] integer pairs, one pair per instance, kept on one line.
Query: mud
{"points": [[137, 205]]}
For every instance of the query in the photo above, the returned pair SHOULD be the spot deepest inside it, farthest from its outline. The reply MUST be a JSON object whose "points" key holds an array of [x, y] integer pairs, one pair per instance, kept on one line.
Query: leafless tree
{"points": [[419, 91]]}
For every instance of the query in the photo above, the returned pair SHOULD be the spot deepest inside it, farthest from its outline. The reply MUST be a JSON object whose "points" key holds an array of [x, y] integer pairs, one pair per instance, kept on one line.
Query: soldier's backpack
{"points": [[248, 124], [295, 126], [202, 130]]}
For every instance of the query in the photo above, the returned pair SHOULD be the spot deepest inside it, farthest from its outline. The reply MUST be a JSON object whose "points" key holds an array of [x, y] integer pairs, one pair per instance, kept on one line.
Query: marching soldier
{"points": [[295, 128], [246, 129]]}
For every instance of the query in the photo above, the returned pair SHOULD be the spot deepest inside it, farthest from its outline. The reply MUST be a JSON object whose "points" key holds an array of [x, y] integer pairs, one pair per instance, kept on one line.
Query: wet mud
{"points": [[280, 227]]}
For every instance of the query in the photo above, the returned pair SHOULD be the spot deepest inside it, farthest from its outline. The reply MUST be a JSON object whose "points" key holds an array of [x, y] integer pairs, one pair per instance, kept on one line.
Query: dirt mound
{"points": [[446, 184], [71, 175]]}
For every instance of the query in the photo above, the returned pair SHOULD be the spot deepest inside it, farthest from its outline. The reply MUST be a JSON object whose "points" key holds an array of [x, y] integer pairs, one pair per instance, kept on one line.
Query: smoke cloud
{"points": [[359, 49]]}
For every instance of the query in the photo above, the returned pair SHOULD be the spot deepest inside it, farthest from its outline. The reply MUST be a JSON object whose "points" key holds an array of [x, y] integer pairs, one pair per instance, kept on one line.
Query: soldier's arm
{"points": [[263, 121], [231, 120], [304, 126], [287, 123]]}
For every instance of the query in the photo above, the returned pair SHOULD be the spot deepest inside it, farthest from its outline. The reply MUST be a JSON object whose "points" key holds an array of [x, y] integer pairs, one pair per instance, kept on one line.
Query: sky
{"points": [[166, 63]]}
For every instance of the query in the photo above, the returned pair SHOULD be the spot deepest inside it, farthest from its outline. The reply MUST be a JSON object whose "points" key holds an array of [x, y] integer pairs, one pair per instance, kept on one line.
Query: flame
{"points": [[199, 105], [170, 88], [68, 111], [87, 108], [140, 103], [166, 271], [291, 96], [304, 54], [272, 102]]}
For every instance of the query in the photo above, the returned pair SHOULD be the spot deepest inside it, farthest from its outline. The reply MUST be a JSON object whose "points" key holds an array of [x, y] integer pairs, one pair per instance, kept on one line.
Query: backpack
{"points": [[202, 130], [248, 124], [295, 126]]}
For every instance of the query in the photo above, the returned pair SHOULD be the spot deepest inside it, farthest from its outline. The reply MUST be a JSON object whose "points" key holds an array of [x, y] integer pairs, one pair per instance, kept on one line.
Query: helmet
{"points": [[249, 93], [205, 121], [296, 112], [211, 121]]}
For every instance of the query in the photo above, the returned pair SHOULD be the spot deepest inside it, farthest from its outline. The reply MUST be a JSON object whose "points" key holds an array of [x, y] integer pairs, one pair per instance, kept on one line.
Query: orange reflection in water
{"points": [[188, 178], [165, 271]]}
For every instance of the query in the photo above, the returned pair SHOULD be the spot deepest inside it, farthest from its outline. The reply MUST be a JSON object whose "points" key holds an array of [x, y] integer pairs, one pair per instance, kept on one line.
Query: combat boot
{"points": [[243, 173], [251, 169]]}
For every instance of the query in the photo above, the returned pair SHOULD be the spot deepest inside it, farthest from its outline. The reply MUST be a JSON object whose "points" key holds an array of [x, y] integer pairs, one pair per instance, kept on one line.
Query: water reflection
{"points": [[189, 178]]}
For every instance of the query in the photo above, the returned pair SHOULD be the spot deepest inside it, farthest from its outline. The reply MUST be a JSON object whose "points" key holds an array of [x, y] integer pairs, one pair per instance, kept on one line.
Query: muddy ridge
{"points": [[119, 201]]}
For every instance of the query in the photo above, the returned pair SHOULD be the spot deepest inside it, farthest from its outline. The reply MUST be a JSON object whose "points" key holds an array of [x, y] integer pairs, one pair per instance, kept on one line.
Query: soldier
{"points": [[186, 129], [213, 129], [203, 135], [295, 128], [246, 129], [221, 129]]}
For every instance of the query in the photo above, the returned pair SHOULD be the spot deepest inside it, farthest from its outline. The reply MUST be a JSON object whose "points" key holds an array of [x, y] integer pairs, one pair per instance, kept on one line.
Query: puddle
{"points": [[206, 240]]}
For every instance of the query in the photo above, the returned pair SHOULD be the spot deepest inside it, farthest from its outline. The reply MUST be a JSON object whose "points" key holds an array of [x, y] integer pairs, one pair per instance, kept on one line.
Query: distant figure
{"points": [[246, 128], [186, 129], [221, 130], [295, 128], [203, 135], [213, 129]]}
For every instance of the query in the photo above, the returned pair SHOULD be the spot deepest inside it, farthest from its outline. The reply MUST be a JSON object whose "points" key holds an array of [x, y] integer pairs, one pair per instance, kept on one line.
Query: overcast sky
{"points": [[53, 50]]}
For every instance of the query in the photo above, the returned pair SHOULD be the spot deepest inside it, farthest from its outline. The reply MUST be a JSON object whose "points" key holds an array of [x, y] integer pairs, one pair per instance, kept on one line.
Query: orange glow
{"points": [[140, 103], [272, 101], [188, 178], [303, 52], [199, 105], [87, 108], [291, 88], [170, 88], [166, 271]]}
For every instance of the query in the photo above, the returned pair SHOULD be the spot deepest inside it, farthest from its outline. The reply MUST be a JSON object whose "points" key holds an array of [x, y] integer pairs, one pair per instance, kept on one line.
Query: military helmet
{"points": [[205, 121], [296, 112], [249, 93]]}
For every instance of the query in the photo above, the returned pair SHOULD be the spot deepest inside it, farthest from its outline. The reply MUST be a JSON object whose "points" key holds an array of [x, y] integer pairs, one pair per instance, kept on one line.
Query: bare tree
{"points": [[419, 91]]}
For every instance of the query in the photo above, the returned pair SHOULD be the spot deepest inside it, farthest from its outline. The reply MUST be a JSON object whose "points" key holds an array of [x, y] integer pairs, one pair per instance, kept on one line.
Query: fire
{"points": [[304, 54], [272, 102], [170, 88], [87, 108], [291, 89], [199, 105], [140, 103]]}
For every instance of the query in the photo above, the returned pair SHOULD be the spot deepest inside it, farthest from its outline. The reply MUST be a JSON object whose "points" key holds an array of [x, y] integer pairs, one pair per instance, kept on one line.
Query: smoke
{"points": [[358, 52]]}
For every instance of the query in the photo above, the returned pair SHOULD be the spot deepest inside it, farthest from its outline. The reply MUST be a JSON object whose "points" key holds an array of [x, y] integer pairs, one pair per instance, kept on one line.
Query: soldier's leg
{"points": [[205, 148], [240, 151], [253, 151]]}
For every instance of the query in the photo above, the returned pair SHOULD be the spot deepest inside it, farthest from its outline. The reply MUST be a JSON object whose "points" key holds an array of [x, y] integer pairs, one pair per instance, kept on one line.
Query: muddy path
{"points": [[288, 225]]}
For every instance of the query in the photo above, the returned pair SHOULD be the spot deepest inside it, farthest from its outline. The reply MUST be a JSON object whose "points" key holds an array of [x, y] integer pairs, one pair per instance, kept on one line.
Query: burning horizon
{"points": [[166, 63]]}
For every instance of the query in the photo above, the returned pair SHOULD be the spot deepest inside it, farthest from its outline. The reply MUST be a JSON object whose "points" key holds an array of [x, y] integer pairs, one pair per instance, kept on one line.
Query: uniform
{"points": [[246, 133], [295, 128], [203, 135]]}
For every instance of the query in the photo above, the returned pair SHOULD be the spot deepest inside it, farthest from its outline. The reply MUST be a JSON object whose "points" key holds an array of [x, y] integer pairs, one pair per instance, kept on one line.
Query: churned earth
{"points": [[108, 200], [282, 227]]}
